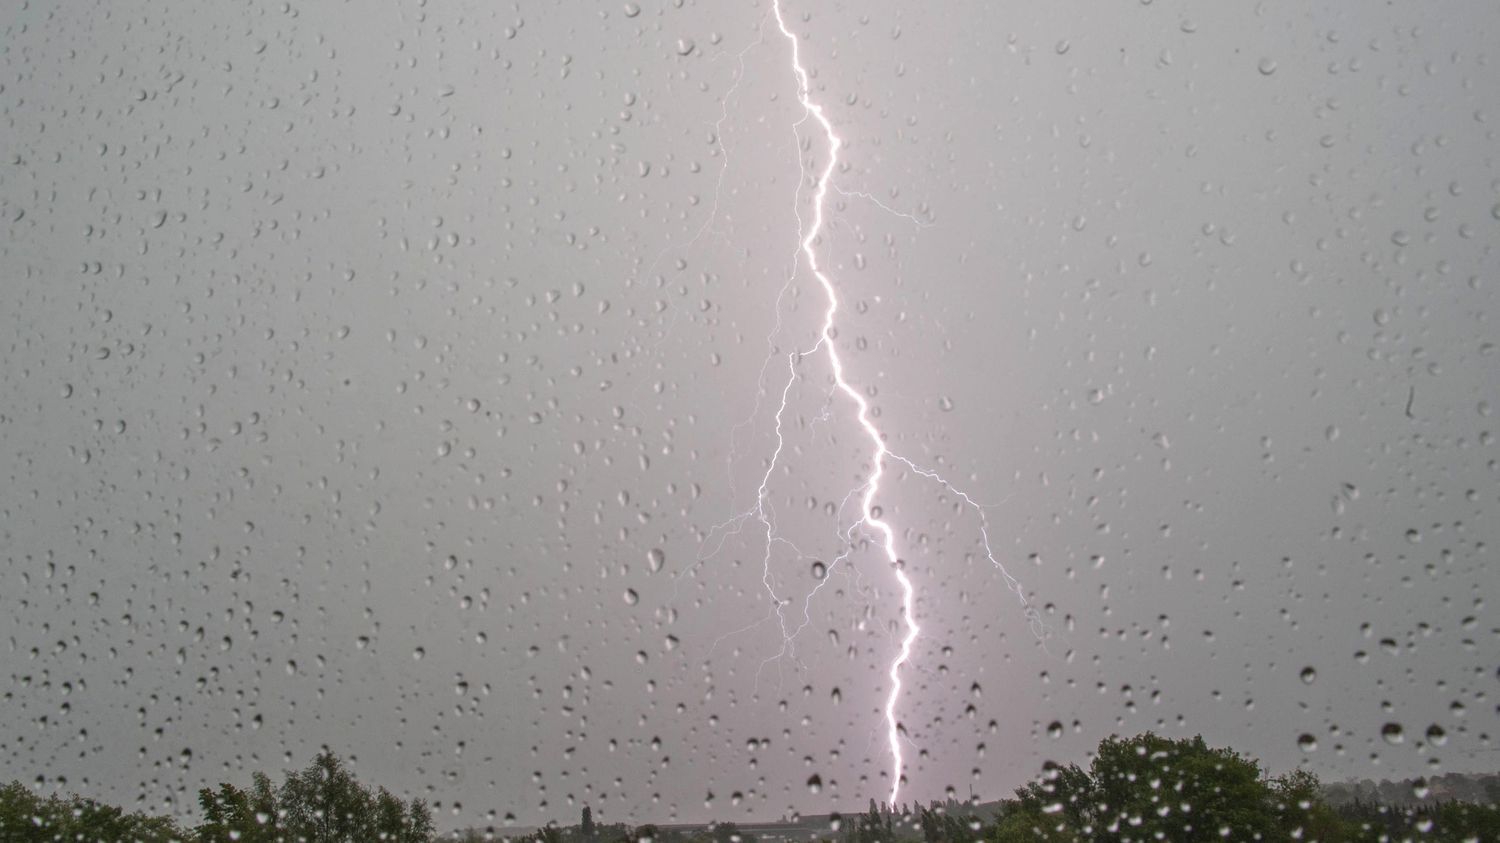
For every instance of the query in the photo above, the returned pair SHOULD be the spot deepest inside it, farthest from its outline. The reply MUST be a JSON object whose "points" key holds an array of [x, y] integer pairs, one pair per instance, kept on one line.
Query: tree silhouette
{"points": [[323, 803], [231, 814], [28, 818], [1154, 788]]}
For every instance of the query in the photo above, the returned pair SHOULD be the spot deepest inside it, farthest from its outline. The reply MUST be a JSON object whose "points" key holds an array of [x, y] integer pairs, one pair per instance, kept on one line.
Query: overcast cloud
{"points": [[388, 377]]}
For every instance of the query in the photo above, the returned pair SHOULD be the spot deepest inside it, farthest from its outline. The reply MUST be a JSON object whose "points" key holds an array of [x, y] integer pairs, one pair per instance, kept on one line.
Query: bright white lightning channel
{"points": [[764, 513], [878, 455]]}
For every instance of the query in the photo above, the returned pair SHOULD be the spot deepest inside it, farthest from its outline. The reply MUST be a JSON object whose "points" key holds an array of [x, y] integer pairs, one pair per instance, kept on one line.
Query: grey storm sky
{"points": [[388, 377]]}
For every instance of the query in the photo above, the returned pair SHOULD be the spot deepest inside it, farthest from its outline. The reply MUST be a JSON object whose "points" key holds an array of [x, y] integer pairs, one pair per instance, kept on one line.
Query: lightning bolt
{"points": [[879, 452], [869, 518]]}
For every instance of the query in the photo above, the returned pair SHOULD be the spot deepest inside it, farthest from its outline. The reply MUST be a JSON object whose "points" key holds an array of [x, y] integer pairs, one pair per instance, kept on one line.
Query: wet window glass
{"points": [[693, 421]]}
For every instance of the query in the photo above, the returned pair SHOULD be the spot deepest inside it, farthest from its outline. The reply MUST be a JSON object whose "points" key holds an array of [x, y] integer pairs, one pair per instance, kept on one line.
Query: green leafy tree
{"points": [[399, 822], [19, 812], [419, 825], [28, 818], [1032, 824], [1154, 788], [873, 826], [390, 816], [243, 816], [1302, 812], [1457, 821], [323, 803], [939, 825], [1442, 822], [1064, 805], [1150, 788]]}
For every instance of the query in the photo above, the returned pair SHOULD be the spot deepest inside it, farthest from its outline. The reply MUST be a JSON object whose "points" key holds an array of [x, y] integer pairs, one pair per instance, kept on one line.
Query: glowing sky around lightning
{"points": [[863, 414], [877, 440], [878, 454]]}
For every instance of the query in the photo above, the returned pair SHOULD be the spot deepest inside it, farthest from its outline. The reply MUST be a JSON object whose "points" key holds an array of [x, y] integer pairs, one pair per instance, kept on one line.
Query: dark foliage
{"points": [[1145, 788], [323, 803], [28, 818]]}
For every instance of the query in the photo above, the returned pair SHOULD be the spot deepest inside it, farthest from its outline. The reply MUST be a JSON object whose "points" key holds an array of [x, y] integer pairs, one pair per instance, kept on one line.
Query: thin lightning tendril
{"points": [[870, 197]]}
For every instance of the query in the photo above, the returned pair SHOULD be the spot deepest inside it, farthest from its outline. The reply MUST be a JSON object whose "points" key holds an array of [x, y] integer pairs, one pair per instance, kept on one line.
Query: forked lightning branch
{"points": [[855, 411]]}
